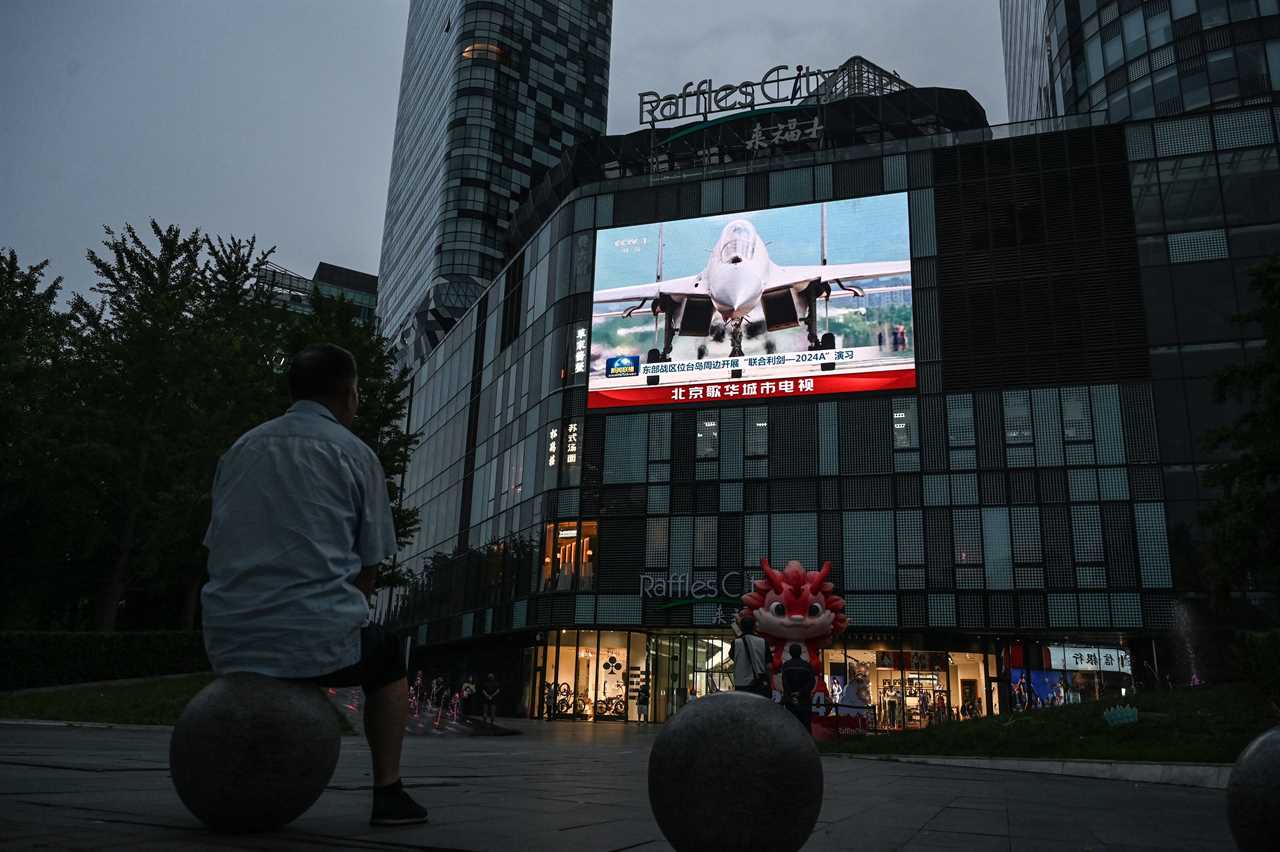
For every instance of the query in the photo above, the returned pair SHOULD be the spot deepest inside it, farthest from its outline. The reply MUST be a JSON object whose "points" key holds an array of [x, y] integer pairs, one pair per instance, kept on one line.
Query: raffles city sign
{"points": [[780, 85], [684, 587]]}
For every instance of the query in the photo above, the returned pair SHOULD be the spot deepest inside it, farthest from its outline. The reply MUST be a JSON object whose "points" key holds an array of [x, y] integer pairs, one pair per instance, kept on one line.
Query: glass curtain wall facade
{"points": [[1136, 59], [491, 95], [1026, 59], [1073, 287]]}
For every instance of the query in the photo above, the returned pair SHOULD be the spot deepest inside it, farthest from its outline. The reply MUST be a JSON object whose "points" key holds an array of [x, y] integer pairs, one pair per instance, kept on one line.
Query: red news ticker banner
{"points": [[903, 379]]}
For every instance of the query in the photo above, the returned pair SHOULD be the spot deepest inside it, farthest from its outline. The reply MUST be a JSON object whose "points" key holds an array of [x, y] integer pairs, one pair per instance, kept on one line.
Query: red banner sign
{"points": [[735, 391]]}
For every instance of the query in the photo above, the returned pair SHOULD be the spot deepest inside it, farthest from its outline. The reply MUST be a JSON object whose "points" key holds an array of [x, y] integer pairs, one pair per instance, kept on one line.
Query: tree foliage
{"points": [[116, 411], [34, 342], [1245, 539]]}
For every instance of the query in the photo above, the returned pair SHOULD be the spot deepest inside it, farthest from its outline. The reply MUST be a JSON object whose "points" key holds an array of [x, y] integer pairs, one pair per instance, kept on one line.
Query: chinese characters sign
{"points": [[1088, 659], [580, 352], [763, 138], [571, 444]]}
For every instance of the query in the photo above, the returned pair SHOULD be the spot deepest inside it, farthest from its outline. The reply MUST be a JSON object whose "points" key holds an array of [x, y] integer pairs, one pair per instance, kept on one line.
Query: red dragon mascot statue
{"points": [[796, 606]]}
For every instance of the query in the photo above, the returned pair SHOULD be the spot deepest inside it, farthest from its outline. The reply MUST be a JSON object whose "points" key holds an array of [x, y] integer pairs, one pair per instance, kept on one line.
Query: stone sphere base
{"points": [[735, 771], [252, 753]]}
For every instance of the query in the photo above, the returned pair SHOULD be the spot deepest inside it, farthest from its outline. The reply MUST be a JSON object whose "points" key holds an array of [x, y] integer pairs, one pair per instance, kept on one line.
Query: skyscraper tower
{"points": [[1025, 61], [1139, 59], [491, 94]]}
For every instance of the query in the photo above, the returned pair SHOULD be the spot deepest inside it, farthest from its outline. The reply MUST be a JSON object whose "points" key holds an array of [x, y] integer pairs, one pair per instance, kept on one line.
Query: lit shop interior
{"points": [[598, 675]]}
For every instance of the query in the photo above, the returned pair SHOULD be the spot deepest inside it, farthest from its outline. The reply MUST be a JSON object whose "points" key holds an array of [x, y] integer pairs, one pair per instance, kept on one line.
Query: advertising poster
{"points": [[792, 301]]}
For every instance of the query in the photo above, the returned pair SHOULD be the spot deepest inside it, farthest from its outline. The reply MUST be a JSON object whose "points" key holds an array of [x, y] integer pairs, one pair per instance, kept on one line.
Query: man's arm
{"points": [[367, 579], [376, 535]]}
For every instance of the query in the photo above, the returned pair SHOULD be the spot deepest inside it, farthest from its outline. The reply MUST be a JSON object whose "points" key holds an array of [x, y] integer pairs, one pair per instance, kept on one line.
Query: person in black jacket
{"points": [[489, 698], [797, 686]]}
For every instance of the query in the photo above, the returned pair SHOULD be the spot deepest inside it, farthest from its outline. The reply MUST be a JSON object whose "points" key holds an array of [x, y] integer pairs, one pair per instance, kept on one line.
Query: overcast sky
{"points": [[275, 117]]}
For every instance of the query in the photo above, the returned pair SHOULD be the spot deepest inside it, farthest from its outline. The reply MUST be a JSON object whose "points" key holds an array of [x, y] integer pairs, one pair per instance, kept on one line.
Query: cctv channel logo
{"points": [[622, 367]]}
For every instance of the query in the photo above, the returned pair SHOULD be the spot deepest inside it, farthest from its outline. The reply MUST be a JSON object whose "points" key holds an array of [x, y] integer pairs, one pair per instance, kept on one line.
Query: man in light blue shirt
{"points": [[300, 524]]}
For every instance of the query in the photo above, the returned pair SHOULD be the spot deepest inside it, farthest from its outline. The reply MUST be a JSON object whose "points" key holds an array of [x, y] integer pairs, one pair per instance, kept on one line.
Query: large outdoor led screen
{"points": [[792, 301]]}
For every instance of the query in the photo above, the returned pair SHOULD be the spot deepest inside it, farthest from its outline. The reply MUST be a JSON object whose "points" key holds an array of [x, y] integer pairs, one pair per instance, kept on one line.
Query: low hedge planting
{"points": [[32, 659]]}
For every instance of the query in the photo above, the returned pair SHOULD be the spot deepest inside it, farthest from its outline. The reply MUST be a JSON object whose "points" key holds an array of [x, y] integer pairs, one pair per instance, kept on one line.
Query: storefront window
{"points": [[548, 560], [587, 556], [1067, 674], [587, 675], [613, 675], [559, 556], [713, 670], [670, 691], [992, 681], [896, 690], [527, 707], [565, 699]]}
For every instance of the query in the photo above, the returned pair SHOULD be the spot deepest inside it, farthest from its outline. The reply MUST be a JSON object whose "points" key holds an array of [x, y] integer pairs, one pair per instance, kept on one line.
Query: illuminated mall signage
{"points": [[684, 587], [779, 85]]}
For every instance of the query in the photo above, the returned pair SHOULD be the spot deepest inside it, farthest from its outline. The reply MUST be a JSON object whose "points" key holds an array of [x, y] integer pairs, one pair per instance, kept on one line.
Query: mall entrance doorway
{"points": [[602, 675]]}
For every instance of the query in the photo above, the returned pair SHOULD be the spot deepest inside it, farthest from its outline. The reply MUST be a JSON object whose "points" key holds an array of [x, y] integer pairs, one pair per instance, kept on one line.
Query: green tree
{"points": [[167, 363], [228, 387], [1244, 537], [34, 341], [116, 412]]}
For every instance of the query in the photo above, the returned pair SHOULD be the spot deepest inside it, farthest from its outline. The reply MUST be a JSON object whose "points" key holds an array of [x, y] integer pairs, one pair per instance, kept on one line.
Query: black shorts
{"points": [[381, 662]]}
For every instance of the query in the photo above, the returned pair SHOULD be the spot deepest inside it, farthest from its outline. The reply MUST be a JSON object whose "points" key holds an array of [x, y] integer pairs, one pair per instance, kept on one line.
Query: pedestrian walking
{"points": [[798, 683], [750, 655], [642, 702], [467, 694], [489, 697]]}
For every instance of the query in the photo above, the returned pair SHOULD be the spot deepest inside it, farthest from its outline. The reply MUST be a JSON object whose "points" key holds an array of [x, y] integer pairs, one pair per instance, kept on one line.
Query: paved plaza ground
{"points": [[572, 786]]}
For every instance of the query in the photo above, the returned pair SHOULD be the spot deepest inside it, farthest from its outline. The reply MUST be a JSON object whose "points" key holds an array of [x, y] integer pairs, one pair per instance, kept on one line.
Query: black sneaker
{"points": [[396, 807]]}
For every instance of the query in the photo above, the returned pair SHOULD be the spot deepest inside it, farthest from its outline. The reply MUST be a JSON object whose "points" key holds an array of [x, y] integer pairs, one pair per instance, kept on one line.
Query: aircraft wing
{"points": [[844, 291], [839, 272], [677, 287]]}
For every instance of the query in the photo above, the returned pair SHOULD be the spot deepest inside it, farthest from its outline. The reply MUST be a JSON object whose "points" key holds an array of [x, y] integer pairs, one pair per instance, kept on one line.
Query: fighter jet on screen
{"points": [[741, 291]]}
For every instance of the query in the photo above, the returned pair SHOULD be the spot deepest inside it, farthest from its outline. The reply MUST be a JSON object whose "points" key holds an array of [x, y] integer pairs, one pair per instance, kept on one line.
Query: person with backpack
{"points": [[750, 655]]}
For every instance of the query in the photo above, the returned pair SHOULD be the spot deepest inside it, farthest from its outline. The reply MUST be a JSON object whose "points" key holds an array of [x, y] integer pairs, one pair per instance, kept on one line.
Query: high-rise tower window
{"points": [[483, 50]]}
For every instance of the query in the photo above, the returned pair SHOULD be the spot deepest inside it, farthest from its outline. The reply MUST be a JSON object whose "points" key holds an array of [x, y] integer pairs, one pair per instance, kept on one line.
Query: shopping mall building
{"points": [[965, 364]]}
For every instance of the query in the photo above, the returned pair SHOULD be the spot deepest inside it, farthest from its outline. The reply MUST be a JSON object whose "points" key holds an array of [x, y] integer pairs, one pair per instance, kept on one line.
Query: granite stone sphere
{"points": [[734, 771], [1253, 794], [252, 753]]}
